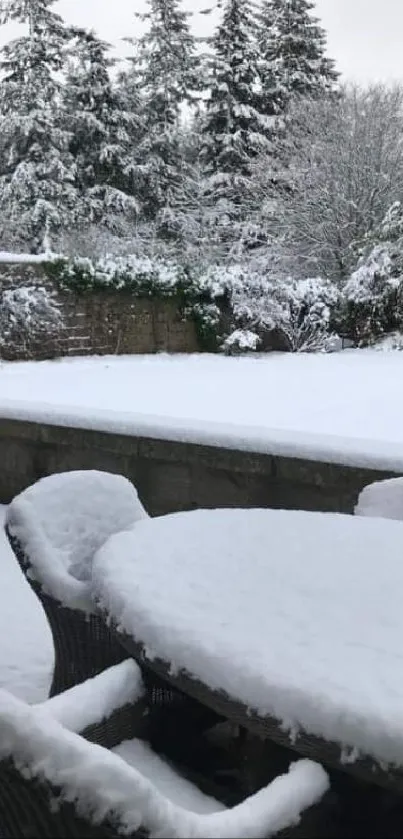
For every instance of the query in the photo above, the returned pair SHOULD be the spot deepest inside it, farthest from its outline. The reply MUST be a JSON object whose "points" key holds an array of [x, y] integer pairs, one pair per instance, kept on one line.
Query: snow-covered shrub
{"points": [[241, 340], [247, 295], [307, 314], [27, 314], [290, 315], [394, 341], [372, 300], [207, 317]]}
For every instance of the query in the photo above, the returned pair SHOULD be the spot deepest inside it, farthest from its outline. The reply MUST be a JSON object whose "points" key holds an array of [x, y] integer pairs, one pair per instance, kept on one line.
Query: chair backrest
{"points": [[383, 499], [61, 521]]}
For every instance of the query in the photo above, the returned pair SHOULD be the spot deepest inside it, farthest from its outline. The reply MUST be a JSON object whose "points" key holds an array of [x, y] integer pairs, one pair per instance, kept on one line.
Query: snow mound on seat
{"points": [[177, 789], [62, 520], [383, 499]]}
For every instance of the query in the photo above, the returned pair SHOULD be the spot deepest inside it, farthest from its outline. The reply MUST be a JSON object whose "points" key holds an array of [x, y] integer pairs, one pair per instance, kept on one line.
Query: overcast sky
{"points": [[364, 36]]}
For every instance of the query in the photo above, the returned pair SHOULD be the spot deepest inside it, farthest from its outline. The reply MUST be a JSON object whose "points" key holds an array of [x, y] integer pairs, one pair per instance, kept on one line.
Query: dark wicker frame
{"points": [[82, 643], [85, 647], [257, 728]]}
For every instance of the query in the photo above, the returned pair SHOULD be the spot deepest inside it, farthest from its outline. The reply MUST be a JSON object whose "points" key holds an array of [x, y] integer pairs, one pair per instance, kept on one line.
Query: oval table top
{"points": [[296, 615]]}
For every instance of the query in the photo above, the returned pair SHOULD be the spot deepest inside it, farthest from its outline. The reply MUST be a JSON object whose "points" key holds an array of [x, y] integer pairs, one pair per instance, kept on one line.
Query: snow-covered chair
{"points": [[383, 499], [55, 781], [55, 527]]}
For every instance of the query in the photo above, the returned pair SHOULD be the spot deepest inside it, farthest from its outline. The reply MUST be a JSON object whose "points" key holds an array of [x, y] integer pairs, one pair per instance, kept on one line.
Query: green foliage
{"points": [[305, 315], [144, 278], [208, 321], [365, 319]]}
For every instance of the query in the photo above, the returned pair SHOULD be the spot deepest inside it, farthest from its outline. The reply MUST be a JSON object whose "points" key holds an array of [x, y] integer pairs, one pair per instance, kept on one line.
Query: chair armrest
{"points": [[97, 699], [105, 790]]}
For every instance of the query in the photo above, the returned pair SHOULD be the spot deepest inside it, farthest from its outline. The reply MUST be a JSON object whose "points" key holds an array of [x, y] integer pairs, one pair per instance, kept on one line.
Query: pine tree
{"points": [[293, 47], [37, 192], [235, 131], [293, 68], [164, 70], [102, 134]]}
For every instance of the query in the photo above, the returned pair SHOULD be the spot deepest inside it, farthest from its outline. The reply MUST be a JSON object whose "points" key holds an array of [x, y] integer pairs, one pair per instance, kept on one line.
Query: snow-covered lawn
{"points": [[345, 407], [26, 649]]}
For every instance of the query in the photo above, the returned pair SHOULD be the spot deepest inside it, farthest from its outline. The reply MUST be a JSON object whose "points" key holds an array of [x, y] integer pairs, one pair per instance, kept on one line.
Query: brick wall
{"points": [[101, 323], [172, 476]]}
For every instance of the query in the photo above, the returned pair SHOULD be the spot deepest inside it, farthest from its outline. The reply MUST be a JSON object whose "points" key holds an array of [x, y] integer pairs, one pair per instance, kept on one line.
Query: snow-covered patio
{"points": [[342, 408]]}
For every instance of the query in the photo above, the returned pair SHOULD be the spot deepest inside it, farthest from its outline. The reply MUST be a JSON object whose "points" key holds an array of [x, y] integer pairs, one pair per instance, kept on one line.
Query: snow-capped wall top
{"points": [[7, 258]]}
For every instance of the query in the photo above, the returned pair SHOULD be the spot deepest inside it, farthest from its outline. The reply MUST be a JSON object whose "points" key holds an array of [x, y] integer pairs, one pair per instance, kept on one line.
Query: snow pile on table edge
{"points": [[326, 448], [96, 698], [117, 508], [102, 785]]}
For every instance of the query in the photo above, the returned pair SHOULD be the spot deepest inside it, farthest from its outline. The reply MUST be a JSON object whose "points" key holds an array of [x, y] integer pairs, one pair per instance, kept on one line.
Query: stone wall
{"points": [[177, 476], [100, 323]]}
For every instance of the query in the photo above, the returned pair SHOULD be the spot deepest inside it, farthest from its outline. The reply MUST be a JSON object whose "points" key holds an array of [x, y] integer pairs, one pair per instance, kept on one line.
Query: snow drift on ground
{"points": [[343, 408]]}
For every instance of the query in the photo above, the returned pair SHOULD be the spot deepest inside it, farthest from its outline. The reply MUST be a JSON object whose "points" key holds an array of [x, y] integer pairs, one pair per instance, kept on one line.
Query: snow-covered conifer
{"points": [[235, 131], [293, 54], [164, 68], [37, 172], [103, 132]]}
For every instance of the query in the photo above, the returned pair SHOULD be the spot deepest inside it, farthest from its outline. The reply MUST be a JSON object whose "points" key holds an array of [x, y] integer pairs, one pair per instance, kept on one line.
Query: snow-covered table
{"points": [[289, 622]]}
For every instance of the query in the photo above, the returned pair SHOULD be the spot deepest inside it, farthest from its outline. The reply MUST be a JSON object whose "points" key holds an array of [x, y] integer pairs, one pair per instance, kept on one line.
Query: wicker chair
{"points": [[56, 781], [54, 528], [383, 499]]}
